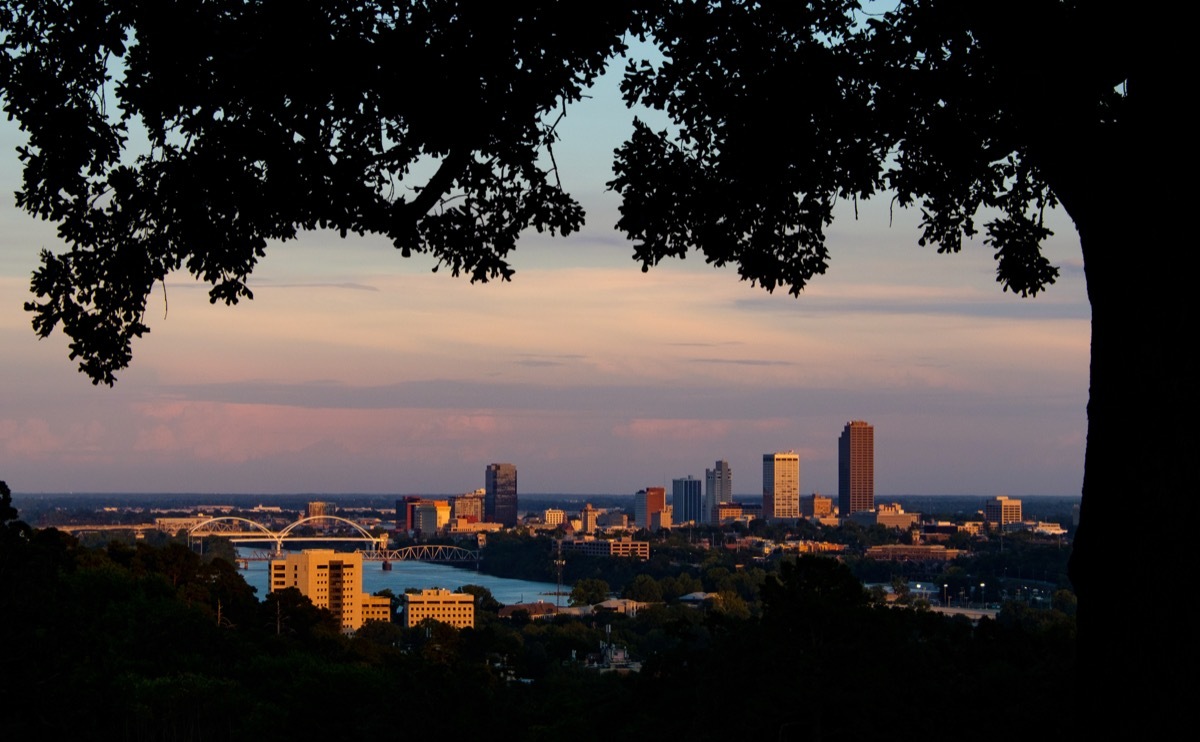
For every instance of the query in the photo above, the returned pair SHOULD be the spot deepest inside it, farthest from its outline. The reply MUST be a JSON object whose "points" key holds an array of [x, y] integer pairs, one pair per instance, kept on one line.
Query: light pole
{"points": [[945, 595], [982, 599]]}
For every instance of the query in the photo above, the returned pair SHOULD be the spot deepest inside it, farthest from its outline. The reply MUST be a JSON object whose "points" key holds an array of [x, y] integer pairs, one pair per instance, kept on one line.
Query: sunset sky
{"points": [[355, 370]]}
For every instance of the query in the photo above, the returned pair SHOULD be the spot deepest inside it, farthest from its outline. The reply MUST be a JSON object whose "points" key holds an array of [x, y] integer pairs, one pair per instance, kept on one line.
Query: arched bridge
{"points": [[246, 531]]}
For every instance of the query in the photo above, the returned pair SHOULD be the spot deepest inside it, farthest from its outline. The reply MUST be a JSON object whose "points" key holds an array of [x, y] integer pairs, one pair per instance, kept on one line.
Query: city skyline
{"points": [[355, 370]]}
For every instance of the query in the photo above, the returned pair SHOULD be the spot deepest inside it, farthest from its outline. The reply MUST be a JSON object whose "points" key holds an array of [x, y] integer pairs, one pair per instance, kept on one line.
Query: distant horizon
{"points": [[541, 495]]}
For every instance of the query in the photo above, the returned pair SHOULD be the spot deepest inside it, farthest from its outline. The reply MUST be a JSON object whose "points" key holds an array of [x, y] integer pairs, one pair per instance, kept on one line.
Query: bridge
{"points": [[423, 553], [375, 548], [245, 531]]}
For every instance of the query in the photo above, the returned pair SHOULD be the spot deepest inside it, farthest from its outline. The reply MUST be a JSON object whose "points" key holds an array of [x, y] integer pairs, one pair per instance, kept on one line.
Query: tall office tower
{"points": [[686, 501], [500, 496], [648, 502], [856, 468], [718, 488], [781, 485], [333, 581]]}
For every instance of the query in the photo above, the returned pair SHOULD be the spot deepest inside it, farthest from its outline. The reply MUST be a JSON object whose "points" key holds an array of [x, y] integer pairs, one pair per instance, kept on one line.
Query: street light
{"points": [[982, 599], [945, 595]]}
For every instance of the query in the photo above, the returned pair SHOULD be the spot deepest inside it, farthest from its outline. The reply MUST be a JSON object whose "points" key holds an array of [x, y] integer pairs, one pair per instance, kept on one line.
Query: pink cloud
{"points": [[29, 438], [692, 429], [235, 433]]}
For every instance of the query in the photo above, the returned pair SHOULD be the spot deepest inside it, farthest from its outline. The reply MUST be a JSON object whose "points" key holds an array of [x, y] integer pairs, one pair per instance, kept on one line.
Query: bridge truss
{"points": [[423, 553]]}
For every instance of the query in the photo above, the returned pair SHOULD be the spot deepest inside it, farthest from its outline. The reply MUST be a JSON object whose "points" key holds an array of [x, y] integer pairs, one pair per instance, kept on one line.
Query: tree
{"points": [[484, 600], [778, 109], [589, 591], [644, 589], [13, 532]]}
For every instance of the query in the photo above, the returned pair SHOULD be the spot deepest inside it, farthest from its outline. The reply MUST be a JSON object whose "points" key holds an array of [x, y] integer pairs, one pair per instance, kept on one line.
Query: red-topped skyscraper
{"points": [[856, 468]]}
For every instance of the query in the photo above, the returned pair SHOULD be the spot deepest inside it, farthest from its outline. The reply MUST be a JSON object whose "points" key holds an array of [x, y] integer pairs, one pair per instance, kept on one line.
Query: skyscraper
{"points": [[718, 488], [500, 494], [647, 503], [686, 502], [781, 485], [856, 468]]}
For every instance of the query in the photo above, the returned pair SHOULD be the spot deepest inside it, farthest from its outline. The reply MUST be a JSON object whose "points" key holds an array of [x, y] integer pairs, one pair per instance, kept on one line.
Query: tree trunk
{"points": [[1132, 552]]}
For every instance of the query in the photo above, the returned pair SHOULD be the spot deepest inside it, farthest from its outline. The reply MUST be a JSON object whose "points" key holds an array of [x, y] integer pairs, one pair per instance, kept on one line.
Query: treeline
{"points": [[149, 643]]}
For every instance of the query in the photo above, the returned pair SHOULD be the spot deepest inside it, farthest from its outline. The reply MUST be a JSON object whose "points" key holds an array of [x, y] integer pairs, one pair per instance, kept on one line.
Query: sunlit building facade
{"points": [[781, 485], [647, 503], [333, 581], [718, 488], [439, 604], [856, 469], [1001, 511]]}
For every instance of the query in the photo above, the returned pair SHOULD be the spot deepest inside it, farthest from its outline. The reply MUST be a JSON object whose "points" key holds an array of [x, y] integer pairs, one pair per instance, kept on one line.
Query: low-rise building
{"points": [[458, 527], [376, 608], [439, 604], [913, 553], [611, 519], [619, 547], [889, 514], [816, 506]]}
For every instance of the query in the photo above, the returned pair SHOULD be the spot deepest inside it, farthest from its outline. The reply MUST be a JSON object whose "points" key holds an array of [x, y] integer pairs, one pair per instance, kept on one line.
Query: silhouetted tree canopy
{"points": [[428, 122], [188, 135]]}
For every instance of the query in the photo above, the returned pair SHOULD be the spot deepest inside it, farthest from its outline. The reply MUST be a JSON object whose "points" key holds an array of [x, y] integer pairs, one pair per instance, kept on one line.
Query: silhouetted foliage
{"points": [[269, 118], [589, 591]]}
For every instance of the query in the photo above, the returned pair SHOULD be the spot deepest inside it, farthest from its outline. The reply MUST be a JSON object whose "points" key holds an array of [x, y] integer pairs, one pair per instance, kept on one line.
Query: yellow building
{"points": [[781, 485], [331, 580], [376, 608], [456, 609]]}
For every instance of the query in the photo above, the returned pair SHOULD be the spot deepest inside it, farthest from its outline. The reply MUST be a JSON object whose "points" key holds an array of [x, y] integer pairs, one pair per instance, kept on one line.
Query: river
{"points": [[423, 575]]}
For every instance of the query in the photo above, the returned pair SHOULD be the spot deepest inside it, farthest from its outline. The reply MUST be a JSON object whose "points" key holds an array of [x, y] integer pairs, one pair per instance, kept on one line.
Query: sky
{"points": [[356, 370]]}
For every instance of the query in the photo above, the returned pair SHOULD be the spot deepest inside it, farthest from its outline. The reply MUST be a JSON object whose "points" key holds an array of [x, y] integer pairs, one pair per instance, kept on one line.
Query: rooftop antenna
{"points": [[558, 565]]}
